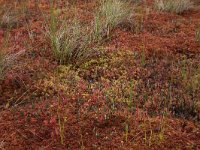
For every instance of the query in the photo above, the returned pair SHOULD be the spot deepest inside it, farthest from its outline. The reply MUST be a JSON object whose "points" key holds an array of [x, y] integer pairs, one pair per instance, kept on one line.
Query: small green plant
{"points": [[61, 123], [161, 134], [108, 16], [198, 33], [175, 6], [126, 132], [82, 143], [132, 94], [150, 136]]}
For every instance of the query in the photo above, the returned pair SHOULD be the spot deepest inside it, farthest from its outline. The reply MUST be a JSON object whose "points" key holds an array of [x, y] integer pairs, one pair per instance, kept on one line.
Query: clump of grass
{"points": [[11, 16], [67, 40], [108, 16], [70, 41], [6, 19], [175, 6]]}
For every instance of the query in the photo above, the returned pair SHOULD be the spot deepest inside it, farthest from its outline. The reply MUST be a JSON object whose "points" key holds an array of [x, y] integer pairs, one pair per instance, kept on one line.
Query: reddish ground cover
{"points": [[45, 105]]}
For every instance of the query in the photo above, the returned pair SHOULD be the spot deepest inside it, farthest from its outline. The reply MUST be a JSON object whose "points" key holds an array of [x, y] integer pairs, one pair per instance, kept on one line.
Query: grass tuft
{"points": [[67, 40], [110, 14], [70, 41], [175, 6]]}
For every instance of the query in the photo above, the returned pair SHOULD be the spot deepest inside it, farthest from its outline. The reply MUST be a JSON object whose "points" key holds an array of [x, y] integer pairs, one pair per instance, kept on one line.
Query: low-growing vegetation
{"points": [[108, 74]]}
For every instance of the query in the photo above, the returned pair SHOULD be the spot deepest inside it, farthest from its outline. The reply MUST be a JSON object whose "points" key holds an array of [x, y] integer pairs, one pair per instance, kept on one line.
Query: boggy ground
{"points": [[142, 90]]}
